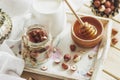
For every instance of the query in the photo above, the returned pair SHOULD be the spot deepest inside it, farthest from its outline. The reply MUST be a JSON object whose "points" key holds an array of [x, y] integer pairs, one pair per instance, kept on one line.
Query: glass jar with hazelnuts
{"points": [[36, 43]]}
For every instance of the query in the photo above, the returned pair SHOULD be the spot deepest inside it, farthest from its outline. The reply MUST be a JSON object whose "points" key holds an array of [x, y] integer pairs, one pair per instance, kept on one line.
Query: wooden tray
{"points": [[63, 41]]}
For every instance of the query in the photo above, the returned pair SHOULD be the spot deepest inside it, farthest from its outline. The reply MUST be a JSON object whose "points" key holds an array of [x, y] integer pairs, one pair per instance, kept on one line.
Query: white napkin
{"points": [[11, 65], [15, 7]]}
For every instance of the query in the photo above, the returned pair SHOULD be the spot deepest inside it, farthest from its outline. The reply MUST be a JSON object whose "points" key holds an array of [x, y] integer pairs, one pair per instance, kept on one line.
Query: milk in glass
{"points": [[50, 13]]}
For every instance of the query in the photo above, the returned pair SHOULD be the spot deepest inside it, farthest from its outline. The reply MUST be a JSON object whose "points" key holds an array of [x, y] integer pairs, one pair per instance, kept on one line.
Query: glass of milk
{"points": [[50, 13]]}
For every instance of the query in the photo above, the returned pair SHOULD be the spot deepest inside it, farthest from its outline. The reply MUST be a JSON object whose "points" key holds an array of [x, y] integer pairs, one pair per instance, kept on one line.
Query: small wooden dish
{"points": [[85, 42]]}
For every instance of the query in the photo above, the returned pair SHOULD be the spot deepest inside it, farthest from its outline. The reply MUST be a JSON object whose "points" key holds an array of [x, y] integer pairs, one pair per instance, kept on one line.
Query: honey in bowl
{"points": [[81, 40], [89, 20]]}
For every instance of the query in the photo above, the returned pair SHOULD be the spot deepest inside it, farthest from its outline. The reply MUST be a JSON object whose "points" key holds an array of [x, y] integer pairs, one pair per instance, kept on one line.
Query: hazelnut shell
{"points": [[97, 3], [67, 57], [64, 66]]}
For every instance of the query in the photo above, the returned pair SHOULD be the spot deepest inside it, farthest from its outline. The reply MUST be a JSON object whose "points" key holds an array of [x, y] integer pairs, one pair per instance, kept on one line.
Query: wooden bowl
{"points": [[80, 41]]}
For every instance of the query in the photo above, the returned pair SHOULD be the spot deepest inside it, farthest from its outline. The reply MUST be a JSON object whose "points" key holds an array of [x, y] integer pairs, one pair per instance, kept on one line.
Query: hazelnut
{"points": [[91, 56], [112, 7], [73, 68], [108, 4], [31, 38], [43, 38], [67, 57], [91, 70], [37, 35], [107, 10], [103, 1], [76, 58], [72, 47], [64, 66], [57, 61], [43, 68], [54, 50], [97, 3], [114, 41], [114, 31], [102, 8], [89, 73]]}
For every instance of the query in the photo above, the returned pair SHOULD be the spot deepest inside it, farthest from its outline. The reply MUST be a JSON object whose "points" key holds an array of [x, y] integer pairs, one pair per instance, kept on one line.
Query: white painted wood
{"points": [[58, 72]]}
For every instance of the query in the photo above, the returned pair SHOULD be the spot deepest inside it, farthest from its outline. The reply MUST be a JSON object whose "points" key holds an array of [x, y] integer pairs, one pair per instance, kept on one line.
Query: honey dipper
{"points": [[87, 30]]}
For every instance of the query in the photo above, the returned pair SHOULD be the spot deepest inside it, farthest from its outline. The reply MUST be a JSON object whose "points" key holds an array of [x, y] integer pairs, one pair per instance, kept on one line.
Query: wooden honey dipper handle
{"points": [[80, 21], [88, 30]]}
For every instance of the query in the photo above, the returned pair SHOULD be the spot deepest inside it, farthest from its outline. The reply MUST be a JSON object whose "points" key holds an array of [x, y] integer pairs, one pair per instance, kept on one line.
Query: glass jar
{"points": [[36, 43]]}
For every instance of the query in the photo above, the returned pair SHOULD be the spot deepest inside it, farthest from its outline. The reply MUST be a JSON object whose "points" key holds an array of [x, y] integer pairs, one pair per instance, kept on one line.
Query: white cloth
{"points": [[15, 7], [10, 65]]}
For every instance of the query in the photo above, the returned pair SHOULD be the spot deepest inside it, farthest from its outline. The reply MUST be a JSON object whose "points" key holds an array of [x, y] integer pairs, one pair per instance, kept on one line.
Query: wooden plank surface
{"points": [[37, 77], [112, 63], [106, 77]]}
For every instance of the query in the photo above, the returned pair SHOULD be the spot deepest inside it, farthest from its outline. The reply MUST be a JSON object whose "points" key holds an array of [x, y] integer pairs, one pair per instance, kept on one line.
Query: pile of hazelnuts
{"points": [[37, 35], [105, 8]]}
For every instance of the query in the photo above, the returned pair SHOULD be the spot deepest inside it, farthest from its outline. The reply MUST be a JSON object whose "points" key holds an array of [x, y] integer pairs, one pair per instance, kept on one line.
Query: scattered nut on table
{"points": [[54, 50], [76, 58], [57, 61], [90, 72], [67, 57], [72, 47], [81, 51], [114, 31], [65, 66], [114, 41], [91, 56], [43, 68], [73, 68]]}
